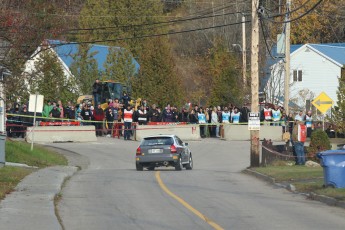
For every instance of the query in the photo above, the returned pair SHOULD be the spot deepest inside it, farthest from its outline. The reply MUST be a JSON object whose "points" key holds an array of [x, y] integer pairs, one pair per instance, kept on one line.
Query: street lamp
{"points": [[244, 62]]}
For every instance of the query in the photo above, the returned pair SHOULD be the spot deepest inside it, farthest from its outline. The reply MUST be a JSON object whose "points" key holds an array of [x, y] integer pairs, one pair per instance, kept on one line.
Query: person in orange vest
{"points": [[299, 135], [266, 115], [127, 119]]}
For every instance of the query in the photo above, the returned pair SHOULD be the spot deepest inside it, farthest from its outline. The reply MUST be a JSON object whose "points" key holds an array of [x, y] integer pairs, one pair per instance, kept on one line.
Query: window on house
{"points": [[297, 75]]}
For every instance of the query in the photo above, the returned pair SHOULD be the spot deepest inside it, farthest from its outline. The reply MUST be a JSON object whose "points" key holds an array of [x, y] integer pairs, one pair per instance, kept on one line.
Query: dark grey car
{"points": [[163, 150]]}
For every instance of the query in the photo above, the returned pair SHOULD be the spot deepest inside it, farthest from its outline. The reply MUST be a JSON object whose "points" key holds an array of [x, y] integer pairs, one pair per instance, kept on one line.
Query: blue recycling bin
{"points": [[333, 163]]}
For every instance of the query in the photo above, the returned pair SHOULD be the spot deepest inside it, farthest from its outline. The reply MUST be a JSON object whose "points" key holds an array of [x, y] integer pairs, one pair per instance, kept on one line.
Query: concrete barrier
{"points": [[241, 132], [44, 134], [185, 132]]}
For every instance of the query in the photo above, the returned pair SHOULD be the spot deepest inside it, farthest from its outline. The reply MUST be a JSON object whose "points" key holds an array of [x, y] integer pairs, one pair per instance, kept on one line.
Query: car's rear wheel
{"points": [[139, 167], [178, 164], [189, 166]]}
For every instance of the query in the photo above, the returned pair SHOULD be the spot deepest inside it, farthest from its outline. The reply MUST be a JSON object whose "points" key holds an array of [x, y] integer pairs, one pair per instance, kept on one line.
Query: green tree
{"points": [[120, 19], [85, 68], [338, 112], [157, 81], [119, 66], [48, 78], [226, 85]]}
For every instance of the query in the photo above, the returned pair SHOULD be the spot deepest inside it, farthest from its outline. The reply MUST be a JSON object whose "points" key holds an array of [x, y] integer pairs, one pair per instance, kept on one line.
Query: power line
{"points": [[142, 36], [294, 19], [157, 35], [150, 24]]}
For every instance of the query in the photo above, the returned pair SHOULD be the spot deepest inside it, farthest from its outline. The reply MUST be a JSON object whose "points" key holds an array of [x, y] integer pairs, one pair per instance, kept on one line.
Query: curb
{"points": [[313, 196]]}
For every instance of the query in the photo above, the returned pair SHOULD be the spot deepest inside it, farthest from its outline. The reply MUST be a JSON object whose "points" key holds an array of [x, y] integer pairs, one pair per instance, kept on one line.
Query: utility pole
{"points": [[254, 134], [287, 58], [244, 50]]}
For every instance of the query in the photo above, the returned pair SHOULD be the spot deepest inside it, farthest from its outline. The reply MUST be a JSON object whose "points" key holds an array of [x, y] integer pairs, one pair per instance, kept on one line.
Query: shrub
{"points": [[319, 142]]}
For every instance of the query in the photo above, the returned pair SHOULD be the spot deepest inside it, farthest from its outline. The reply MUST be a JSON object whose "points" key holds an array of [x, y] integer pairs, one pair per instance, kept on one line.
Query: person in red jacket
{"points": [[98, 115]]}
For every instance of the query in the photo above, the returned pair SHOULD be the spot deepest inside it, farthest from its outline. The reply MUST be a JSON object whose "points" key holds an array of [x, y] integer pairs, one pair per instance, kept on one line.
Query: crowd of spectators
{"points": [[210, 118]]}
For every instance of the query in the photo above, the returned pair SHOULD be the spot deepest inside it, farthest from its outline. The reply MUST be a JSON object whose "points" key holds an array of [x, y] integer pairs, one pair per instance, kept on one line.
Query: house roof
{"points": [[335, 52], [66, 51]]}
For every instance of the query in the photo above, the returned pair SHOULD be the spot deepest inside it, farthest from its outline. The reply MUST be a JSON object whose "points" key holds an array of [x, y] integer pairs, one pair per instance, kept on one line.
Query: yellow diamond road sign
{"points": [[323, 102]]}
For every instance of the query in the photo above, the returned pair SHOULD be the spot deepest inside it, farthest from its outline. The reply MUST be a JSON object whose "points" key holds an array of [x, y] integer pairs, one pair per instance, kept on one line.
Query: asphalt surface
{"points": [[31, 205], [107, 193]]}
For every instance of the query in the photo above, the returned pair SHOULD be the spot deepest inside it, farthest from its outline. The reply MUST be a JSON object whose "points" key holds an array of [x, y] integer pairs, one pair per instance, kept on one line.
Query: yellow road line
{"points": [[184, 203]]}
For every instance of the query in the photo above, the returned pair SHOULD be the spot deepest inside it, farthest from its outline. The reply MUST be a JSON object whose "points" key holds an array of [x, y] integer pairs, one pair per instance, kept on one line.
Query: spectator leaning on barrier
{"points": [[55, 113], [219, 113], [46, 110], [202, 122], [226, 115], [79, 117], [71, 112], [109, 117], [67, 109], [266, 115], [215, 122], [61, 109], [141, 114], [244, 113], [168, 115], [299, 116], [193, 116], [276, 115], [154, 115], [183, 115], [127, 119], [86, 114], [235, 116]]}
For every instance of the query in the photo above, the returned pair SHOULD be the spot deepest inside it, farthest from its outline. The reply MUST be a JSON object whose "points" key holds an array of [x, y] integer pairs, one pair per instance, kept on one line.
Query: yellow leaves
{"points": [[318, 25]]}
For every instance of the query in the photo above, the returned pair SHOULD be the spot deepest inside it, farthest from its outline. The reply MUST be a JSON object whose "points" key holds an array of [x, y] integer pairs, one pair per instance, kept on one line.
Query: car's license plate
{"points": [[155, 150]]}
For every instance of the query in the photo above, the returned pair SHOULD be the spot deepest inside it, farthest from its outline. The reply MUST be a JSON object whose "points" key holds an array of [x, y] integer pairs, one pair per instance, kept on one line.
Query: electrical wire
{"points": [[155, 35], [265, 40], [142, 36], [156, 23], [294, 19]]}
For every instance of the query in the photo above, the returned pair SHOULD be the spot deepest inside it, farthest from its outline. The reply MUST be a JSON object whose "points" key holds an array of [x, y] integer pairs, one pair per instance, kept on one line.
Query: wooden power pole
{"points": [[244, 51], [287, 59], [254, 134]]}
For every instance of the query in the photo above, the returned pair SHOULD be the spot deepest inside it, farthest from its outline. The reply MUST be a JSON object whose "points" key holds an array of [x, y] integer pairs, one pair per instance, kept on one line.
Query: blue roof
{"points": [[66, 51], [335, 51]]}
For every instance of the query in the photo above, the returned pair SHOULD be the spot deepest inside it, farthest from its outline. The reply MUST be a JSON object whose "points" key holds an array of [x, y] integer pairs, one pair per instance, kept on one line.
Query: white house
{"points": [[315, 68], [65, 52]]}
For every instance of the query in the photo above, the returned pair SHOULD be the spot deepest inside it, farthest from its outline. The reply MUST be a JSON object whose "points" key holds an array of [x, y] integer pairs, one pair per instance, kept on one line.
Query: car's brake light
{"points": [[138, 151], [173, 149]]}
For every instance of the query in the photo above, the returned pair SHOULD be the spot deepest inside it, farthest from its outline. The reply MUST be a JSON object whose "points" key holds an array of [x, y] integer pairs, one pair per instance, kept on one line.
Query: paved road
{"points": [[110, 194]]}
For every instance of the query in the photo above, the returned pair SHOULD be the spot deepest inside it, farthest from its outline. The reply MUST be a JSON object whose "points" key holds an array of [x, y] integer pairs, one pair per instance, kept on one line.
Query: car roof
{"points": [[160, 135]]}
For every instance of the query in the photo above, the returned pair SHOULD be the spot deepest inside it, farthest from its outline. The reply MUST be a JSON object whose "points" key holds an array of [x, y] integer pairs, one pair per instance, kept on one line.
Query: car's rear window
{"points": [[157, 141]]}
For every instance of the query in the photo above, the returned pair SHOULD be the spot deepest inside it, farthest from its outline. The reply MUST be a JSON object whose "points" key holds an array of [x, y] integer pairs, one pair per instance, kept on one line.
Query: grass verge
{"points": [[305, 179], [20, 152]]}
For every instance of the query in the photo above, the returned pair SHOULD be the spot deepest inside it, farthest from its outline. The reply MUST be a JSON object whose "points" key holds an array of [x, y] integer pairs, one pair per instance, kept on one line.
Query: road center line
{"points": [[184, 203]]}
